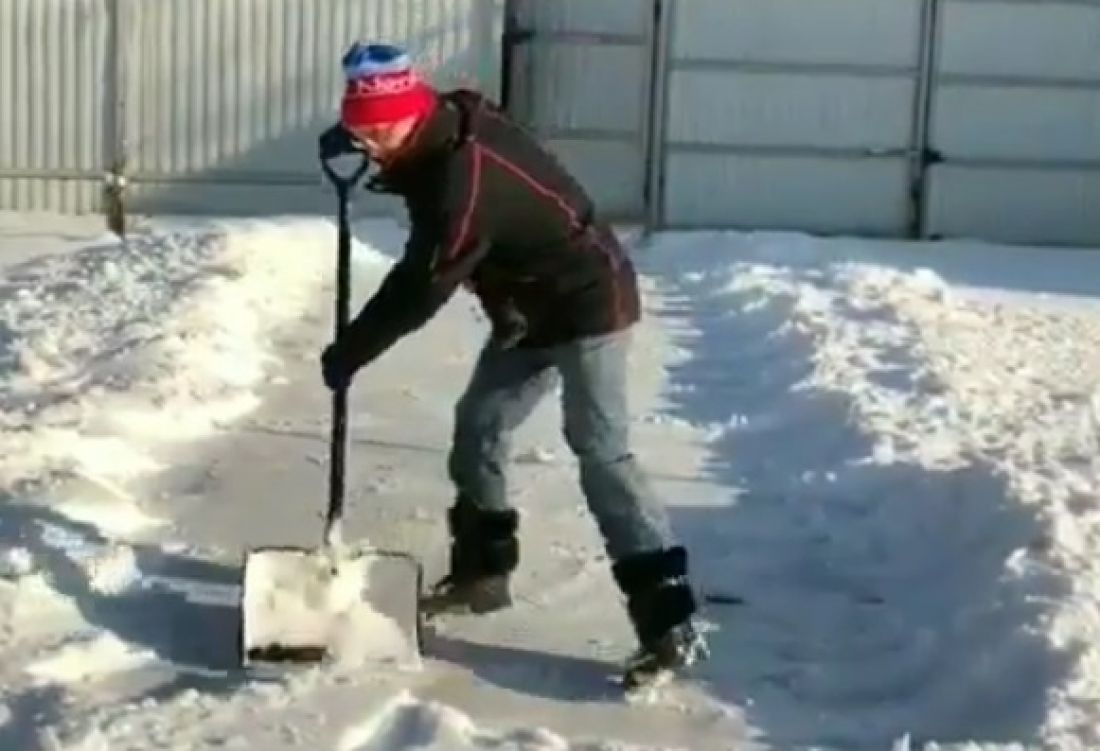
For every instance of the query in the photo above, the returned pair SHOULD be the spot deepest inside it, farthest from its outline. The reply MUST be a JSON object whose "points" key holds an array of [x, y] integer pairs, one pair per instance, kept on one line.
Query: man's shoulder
{"points": [[480, 113], [469, 97]]}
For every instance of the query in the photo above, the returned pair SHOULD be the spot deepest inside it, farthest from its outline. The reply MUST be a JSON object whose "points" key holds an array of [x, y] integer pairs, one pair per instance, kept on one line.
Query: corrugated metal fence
{"points": [[581, 76], [53, 103], [908, 117], [203, 105]]}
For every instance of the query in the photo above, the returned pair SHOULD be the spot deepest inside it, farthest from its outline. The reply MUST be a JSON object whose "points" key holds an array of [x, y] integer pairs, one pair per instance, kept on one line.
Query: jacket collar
{"points": [[449, 123], [436, 131]]}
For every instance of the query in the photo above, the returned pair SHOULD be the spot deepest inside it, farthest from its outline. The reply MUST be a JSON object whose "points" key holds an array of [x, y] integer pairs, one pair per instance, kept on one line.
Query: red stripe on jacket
{"points": [[557, 198], [471, 206]]}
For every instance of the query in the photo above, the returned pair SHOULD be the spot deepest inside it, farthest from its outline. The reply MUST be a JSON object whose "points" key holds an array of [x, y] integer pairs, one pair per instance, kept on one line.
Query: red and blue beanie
{"points": [[382, 87]]}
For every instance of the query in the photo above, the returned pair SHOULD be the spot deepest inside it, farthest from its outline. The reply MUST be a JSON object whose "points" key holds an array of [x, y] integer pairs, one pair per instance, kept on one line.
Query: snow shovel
{"points": [[335, 602]]}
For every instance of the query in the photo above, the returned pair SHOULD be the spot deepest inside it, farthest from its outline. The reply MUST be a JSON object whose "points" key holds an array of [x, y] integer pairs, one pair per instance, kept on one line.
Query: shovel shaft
{"points": [[340, 395], [339, 440]]}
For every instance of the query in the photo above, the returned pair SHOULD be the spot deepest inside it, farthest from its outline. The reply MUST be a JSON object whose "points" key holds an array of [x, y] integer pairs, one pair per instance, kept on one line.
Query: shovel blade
{"points": [[303, 605]]}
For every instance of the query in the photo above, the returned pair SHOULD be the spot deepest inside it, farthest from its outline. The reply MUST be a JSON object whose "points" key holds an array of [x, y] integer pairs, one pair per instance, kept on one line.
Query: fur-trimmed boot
{"points": [[661, 606], [484, 553]]}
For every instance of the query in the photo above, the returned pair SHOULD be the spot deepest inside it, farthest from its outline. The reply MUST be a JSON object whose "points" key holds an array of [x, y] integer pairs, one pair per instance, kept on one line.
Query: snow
{"points": [[77, 662], [882, 455], [302, 599], [89, 387], [406, 722], [110, 569], [16, 562]]}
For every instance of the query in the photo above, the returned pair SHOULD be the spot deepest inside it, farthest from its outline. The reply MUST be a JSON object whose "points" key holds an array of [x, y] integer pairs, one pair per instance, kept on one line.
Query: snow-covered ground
{"points": [[882, 455]]}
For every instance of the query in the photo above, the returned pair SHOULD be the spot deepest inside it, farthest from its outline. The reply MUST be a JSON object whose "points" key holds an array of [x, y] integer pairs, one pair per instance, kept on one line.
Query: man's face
{"points": [[383, 141]]}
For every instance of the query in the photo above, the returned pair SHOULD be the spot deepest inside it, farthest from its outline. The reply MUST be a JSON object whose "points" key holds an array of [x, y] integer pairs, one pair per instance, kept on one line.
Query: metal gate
{"points": [[909, 117], [579, 77], [918, 118], [1015, 126], [787, 114]]}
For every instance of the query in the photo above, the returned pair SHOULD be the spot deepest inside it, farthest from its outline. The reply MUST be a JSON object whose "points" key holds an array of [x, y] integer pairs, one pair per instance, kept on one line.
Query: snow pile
{"points": [[110, 569], [917, 466], [16, 562], [31, 608], [111, 355], [884, 458], [1009, 388], [1019, 387], [121, 347], [78, 661], [408, 723]]}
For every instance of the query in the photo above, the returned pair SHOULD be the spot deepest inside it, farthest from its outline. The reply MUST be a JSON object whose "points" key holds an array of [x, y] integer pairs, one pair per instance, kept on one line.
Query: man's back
{"points": [[549, 252]]}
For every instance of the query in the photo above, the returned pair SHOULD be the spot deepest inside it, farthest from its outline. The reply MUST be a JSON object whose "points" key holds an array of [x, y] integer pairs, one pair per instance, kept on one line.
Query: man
{"points": [[492, 210]]}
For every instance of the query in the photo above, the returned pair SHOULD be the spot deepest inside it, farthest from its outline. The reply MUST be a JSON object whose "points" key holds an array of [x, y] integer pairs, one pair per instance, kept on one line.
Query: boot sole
{"points": [[434, 607]]}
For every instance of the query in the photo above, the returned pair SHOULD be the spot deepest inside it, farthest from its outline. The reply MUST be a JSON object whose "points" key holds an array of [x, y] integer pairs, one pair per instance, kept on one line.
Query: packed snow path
{"points": [[882, 456]]}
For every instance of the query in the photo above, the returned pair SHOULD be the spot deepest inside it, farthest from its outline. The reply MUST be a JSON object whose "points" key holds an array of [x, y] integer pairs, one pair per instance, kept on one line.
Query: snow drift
{"points": [[882, 455], [915, 471]]}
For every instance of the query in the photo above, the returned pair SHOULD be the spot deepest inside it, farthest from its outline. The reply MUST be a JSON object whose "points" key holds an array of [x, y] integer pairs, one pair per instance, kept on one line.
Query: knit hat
{"points": [[382, 86]]}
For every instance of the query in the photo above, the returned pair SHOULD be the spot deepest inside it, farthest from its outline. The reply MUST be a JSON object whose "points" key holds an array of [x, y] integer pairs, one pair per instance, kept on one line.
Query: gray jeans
{"points": [[506, 386]]}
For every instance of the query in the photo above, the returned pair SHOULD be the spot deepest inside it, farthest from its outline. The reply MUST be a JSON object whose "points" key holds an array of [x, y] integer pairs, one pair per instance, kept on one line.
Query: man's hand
{"points": [[334, 371], [337, 141]]}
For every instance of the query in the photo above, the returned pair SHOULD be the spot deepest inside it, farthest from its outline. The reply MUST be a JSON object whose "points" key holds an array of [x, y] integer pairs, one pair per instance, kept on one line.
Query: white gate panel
{"points": [[1017, 122], [572, 94], [580, 79], [789, 109], [585, 16], [816, 194], [853, 32], [1015, 104], [1043, 206], [793, 115], [1030, 39]]}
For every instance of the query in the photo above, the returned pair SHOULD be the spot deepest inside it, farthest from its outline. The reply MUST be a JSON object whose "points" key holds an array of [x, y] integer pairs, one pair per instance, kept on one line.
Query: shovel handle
{"points": [[343, 185]]}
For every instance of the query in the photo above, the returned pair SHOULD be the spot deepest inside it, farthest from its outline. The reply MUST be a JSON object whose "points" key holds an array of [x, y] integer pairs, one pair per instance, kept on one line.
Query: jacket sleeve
{"points": [[440, 254]]}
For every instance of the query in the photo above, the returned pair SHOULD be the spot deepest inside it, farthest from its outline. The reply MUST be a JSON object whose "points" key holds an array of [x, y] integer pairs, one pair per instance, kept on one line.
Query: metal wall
{"points": [[225, 98], [782, 113], [53, 95], [580, 80], [929, 117], [204, 105], [905, 118], [1015, 123]]}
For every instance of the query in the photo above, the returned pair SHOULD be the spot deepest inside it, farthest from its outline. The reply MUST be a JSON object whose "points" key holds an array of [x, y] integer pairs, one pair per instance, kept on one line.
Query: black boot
{"points": [[661, 605], [484, 553]]}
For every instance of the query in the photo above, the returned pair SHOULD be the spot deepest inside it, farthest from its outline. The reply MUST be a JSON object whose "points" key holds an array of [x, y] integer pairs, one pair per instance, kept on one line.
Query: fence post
{"points": [[513, 36], [653, 189], [921, 154], [115, 120]]}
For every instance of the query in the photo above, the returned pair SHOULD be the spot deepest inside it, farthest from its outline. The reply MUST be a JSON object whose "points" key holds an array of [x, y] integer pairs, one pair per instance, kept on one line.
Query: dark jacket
{"points": [[492, 209]]}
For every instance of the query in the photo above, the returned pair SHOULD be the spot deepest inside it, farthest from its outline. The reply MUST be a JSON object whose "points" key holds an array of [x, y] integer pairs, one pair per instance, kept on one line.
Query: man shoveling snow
{"points": [[492, 210]]}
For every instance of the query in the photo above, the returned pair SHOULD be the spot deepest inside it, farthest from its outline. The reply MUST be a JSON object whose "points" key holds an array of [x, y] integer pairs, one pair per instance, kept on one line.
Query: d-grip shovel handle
{"points": [[343, 185]]}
